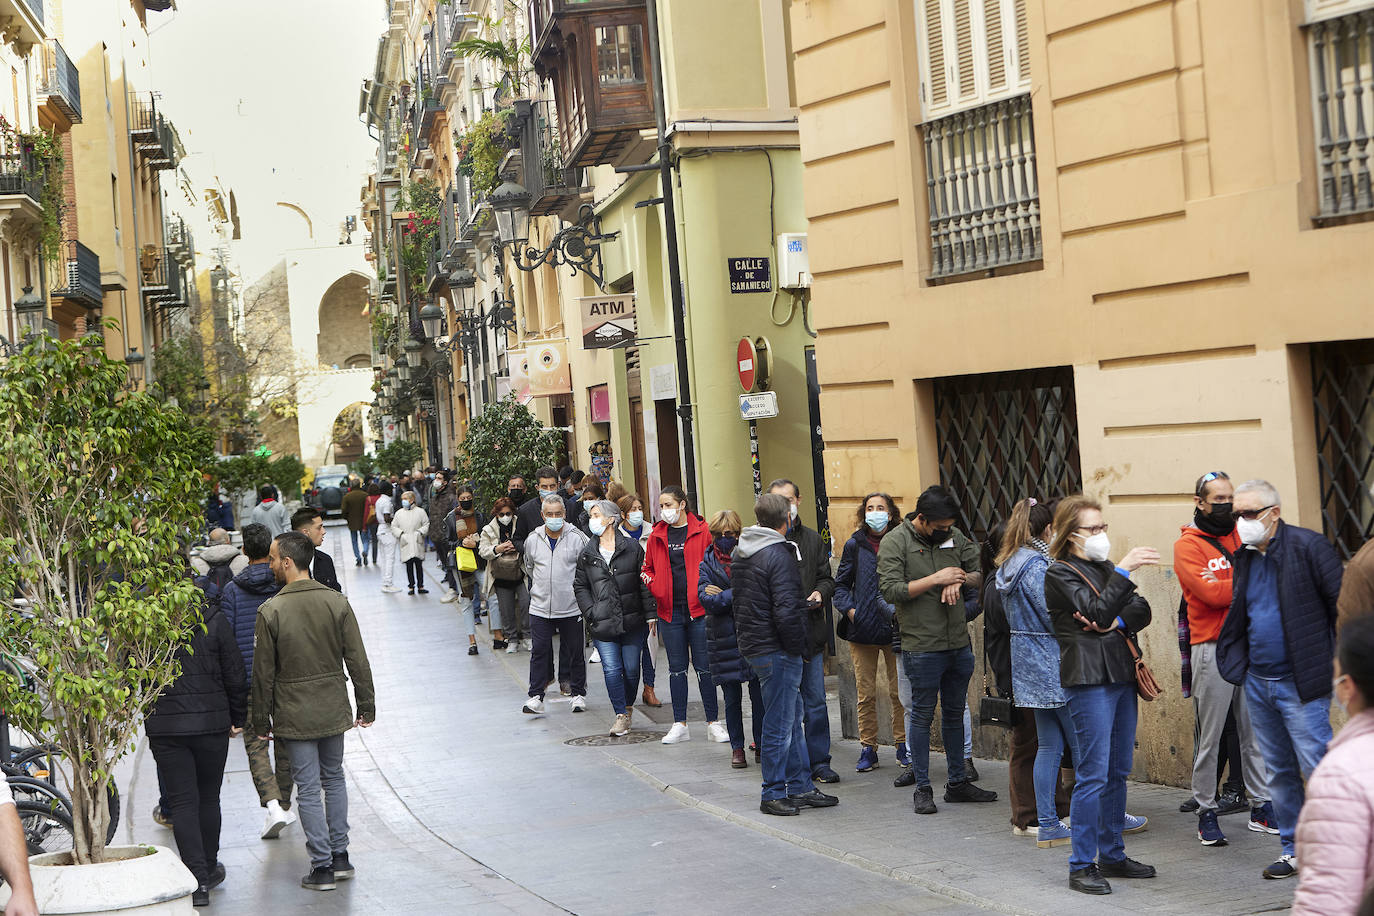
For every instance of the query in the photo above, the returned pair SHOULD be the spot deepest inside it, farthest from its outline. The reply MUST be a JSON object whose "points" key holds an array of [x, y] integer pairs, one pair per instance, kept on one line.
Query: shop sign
{"points": [[608, 321]]}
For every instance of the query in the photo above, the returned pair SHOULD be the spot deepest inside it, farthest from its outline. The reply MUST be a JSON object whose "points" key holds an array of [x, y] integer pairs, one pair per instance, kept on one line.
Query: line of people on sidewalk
{"points": [[269, 664]]}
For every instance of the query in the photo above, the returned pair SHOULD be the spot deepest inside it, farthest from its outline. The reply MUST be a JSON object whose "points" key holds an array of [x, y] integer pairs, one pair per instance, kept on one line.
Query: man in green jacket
{"points": [[923, 567], [304, 637]]}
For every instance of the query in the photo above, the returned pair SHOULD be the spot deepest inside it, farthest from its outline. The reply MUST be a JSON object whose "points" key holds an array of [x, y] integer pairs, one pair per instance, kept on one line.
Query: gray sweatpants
{"points": [[1213, 698], [314, 764]]}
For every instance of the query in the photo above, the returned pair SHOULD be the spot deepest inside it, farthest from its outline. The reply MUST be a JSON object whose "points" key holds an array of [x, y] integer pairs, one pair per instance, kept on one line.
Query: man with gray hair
{"points": [[551, 553], [1278, 643]]}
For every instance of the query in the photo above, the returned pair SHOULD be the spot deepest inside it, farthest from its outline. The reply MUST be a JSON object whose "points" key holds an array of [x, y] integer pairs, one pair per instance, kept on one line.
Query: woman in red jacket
{"points": [[672, 566]]}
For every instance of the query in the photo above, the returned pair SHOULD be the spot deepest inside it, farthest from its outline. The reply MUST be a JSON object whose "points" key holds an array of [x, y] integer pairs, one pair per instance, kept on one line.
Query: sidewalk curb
{"points": [[840, 855]]}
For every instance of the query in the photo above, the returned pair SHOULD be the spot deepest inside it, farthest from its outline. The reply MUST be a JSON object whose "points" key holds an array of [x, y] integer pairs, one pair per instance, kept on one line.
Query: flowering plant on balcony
{"points": [[45, 161], [482, 146], [424, 198]]}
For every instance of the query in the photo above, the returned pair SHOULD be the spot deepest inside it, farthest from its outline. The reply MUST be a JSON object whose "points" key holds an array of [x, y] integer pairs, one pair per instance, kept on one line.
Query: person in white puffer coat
{"points": [[409, 526]]}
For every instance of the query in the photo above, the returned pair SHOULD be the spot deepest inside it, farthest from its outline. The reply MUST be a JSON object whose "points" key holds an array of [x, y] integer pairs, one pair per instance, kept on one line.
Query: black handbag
{"points": [[993, 710]]}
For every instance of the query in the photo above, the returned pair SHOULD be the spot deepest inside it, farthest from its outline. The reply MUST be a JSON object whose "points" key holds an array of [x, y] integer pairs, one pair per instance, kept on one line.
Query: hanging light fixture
{"points": [[135, 362], [432, 319]]}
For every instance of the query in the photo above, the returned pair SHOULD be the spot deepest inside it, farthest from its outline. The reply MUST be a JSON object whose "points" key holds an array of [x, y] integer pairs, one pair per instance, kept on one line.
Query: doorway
{"points": [[637, 443], [669, 459]]}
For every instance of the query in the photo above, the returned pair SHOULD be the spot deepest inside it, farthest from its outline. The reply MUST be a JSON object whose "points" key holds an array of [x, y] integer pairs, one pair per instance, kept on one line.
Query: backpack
{"points": [[213, 582]]}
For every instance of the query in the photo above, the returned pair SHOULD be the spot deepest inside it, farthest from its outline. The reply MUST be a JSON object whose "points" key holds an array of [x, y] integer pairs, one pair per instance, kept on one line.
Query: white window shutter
{"points": [[997, 51], [972, 52], [937, 86], [964, 43], [1022, 44]]}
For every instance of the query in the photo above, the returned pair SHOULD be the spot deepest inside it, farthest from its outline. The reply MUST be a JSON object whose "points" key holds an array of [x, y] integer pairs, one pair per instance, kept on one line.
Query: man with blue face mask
{"points": [[1278, 642], [551, 554], [528, 515]]}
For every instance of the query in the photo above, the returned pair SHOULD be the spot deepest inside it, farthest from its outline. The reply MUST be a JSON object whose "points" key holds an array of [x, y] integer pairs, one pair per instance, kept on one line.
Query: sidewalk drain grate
{"points": [[634, 737]]}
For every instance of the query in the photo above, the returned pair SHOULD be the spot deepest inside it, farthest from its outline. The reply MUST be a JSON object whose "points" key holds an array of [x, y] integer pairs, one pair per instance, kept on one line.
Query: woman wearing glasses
{"points": [[1095, 611]]}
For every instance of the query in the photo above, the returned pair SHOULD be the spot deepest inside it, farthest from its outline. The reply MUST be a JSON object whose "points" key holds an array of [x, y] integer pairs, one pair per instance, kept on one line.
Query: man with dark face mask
{"points": [[1203, 556]]}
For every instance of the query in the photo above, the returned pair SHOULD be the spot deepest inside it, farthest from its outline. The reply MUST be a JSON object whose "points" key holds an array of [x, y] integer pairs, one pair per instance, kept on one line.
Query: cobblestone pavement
{"points": [[458, 801]]}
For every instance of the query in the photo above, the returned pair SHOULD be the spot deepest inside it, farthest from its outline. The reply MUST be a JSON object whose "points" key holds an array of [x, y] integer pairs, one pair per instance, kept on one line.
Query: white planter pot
{"points": [[137, 879]]}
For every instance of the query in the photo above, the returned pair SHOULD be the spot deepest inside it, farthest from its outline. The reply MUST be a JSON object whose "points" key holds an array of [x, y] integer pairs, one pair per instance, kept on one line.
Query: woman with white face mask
{"points": [[632, 526], [505, 577], [1096, 613]]}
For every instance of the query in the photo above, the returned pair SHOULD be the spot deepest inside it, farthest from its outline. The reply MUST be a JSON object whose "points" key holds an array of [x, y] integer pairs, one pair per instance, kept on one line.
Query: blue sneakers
{"points": [[1262, 819], [903, 755], [1208, 831], [868, 759], [1057, 834], [1134, 824]]}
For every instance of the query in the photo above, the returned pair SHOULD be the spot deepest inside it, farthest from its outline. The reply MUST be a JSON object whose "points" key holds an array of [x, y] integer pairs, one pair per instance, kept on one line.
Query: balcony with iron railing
{"points": [[180, 243], [60, 82], [982, 189], [78, 277], [160, 276], [22, 175], [1343, 113], [151, 133], [552, 185]]}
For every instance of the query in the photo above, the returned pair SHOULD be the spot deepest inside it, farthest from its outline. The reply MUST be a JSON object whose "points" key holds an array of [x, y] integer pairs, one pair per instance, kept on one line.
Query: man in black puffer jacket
{"points": [[188, 732], [771, 624]]}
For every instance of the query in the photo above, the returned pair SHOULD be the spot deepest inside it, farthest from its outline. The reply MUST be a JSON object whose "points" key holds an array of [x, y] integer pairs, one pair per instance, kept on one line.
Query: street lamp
{"points": [[30, 310], [413, 347], [512, 205], [403, 369], [432, 319], [135, 361]]}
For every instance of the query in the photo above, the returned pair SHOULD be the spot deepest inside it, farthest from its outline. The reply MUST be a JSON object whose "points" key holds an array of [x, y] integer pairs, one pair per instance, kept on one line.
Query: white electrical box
{"points": [[794, 266]]}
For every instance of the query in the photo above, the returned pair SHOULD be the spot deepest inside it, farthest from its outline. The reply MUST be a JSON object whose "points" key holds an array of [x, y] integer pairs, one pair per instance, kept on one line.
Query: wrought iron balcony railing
{"points": [[79, 280], [151, 133], [22, 173], [60, 81], [982, 188], [1343, 111], [160, 274], [551, 184]]}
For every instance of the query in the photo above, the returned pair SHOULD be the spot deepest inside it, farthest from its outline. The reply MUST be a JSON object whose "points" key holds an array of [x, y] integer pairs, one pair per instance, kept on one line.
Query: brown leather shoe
{"points": [[650, 698], [737, 759]]}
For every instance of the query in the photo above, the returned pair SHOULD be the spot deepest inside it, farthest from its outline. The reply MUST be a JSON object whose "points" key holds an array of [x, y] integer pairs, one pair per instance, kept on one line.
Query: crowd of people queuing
{"points": [[747, 608]]}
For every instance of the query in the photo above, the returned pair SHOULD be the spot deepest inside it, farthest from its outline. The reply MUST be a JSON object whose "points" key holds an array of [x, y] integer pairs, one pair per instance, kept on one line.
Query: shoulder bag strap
{"points": [[1230, 557], [1135, 653]]}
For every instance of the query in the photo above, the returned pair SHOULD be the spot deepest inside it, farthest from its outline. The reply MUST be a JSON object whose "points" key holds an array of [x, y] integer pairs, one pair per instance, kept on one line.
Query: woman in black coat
{"points": [[1096, 613], [728, 667], [616, 605], [188, 731]]}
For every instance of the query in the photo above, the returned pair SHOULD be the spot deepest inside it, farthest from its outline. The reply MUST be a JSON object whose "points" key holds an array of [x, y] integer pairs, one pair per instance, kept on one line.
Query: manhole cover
{"points": [[634, 737]]}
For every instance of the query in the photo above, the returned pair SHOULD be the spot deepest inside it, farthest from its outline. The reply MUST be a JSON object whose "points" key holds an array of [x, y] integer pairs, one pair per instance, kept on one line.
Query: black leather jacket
{"points": [[1086, 657], [612, 597]]}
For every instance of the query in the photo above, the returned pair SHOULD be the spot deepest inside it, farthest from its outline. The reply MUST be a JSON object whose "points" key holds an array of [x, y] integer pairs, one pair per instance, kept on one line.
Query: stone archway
{"points": [[349, 434], [344, 329]]}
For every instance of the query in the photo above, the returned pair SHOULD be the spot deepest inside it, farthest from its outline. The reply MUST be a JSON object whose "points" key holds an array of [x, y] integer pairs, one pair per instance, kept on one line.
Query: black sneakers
{"points": [[319, 879], [968, 792], [814, 799], [825, 774], [780, 807], [217, 875], [1126, 868], [1089, 881], [343, 869], [904, 778], [923, 800]]}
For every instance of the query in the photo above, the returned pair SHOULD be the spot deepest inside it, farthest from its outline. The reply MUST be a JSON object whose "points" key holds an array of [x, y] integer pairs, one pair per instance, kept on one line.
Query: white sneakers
{"points": [[534, 706], [449, 596], [527, 645], [595, 657], [717, 732], [390, 590], [579, 704], [677, 733], [512, 646], [621, 726], [277, 820]]}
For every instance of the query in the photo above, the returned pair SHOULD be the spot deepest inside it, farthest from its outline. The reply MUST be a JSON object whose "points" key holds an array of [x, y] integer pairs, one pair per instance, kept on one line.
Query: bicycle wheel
{"points": [[46, 829], [39, 791], [46, 762]]}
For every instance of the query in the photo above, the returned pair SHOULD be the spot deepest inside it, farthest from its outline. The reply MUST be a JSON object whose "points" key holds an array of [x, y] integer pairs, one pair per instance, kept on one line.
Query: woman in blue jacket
{"points": [[866, 622], [728, 667]]}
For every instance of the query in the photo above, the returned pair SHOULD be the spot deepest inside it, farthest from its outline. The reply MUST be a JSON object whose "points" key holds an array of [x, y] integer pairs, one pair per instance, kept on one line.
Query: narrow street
{"points": [[457, 800]]}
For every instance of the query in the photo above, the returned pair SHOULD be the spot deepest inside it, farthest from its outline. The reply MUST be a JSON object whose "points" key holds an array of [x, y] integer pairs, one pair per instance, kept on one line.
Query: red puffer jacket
{"points": [[658, 569]]}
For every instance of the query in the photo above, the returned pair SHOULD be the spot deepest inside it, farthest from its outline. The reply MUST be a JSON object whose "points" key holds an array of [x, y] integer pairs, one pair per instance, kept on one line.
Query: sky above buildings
{"points": [[264, 94]]}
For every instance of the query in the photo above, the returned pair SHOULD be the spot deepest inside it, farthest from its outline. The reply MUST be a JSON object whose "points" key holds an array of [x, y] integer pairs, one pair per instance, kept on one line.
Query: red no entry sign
{"points": [[748, 363]]}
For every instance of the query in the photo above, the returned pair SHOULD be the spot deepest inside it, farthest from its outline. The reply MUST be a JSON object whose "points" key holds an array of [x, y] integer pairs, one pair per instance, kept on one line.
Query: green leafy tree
{"points": [[400, 456], [99, 490], [504, 441], [365, 466], [286, 473]]}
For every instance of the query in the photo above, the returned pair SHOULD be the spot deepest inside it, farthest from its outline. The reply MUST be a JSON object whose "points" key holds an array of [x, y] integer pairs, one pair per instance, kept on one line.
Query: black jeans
{"points": [[572, 661], [190, 769], [734, 711], [415, 572]]}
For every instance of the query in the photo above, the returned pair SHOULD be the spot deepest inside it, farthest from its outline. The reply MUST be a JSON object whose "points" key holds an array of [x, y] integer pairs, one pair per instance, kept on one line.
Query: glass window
{"points": [[619, 55]]}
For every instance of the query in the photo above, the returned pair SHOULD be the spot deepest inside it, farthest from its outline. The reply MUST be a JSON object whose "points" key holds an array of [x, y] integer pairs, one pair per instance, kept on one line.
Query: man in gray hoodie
{"points": [[220, 552], [551, 553], [771, 624]]}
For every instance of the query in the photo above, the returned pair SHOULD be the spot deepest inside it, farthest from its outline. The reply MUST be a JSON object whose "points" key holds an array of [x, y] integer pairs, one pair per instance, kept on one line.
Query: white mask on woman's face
{"points": [[669, 515], [505, 519], [1097, 546]]}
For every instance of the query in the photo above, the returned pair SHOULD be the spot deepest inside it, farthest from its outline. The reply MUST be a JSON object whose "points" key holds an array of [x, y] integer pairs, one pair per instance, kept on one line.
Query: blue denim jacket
{"points": [[1034, 649]]}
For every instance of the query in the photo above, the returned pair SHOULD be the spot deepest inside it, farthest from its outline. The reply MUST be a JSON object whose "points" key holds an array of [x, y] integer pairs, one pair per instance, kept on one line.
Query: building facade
{"points": [[1100, 246]]}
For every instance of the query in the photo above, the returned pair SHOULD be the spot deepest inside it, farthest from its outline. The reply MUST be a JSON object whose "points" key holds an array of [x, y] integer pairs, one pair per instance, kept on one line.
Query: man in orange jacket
{"points": [[1202, 562]]}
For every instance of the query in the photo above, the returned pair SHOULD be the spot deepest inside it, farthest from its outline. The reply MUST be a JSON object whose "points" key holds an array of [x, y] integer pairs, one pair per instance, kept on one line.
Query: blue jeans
{"points": [[479, 596], [733, 691], [939, 676], [1054, 729], [680, 638], [355, 537], [1104, 726], [815, 715], [646, 658], [1292, 737], [620, 666], [783, 742]]}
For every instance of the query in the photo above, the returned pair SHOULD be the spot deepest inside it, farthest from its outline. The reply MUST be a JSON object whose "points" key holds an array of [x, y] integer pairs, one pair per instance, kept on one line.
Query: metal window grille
{"points": [[1003, 436], [982, 189], [1342, 52], [1343, 407]]}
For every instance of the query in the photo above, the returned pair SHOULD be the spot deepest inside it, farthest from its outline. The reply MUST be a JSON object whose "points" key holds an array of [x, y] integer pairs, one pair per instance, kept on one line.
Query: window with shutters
{"points": [[972, 52], [1340, 37]]}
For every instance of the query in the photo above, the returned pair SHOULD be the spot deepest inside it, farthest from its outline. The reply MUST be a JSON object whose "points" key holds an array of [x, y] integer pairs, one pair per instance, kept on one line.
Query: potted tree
{"points": [[99, 492]]}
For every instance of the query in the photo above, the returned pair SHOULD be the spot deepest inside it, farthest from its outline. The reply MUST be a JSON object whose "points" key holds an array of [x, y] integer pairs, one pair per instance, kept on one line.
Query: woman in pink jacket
{"points": [[1336, 830]]}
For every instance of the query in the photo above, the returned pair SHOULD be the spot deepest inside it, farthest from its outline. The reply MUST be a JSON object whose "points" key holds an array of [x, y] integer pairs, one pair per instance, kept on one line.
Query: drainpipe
{"points": [[665, 178]]}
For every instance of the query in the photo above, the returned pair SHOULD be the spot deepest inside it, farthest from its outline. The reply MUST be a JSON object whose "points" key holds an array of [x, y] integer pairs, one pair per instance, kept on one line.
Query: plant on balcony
{"points": [[482, 147], [47, 163], [98, 489], [503, 51], [383, 328], [423, 198]]}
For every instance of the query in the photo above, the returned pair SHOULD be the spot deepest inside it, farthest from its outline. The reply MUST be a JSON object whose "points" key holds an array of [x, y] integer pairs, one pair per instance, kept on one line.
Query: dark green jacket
{"points": [[304, 636], [926, 624]]}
